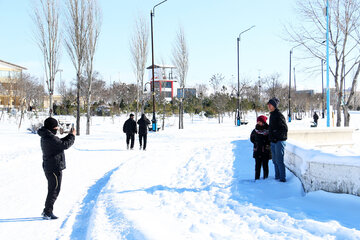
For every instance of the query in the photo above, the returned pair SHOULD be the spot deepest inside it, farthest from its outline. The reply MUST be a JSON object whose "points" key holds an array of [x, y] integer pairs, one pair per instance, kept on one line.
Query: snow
{"points": [[195, 183]]}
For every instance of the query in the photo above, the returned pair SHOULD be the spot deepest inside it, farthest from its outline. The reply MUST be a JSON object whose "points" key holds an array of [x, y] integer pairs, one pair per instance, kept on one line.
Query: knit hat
{"points": [[131, 115], [262, 119], [50, 123], [274, 101]]}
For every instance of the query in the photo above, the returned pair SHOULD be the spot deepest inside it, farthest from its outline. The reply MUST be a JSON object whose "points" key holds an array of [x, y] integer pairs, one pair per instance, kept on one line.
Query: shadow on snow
{"points": [[152, 190], [28, 219], [98, 150], [288, 197]]}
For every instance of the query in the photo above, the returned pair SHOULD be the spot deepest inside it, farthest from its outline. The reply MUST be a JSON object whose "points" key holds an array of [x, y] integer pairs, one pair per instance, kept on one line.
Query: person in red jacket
{"points": [[53, 161], [262, 152]]}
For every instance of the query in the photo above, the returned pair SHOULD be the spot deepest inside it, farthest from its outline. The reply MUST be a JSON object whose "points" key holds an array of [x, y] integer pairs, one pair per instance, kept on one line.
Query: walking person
{"points": [[262, 153], [130, 129], [316, 118], [143, 123], [53, 161], [277, 136]]}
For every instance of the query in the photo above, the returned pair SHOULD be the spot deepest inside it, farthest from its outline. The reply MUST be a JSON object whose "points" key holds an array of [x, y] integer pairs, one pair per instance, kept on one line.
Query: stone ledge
{"points": [[321, 137], [322, 171]]}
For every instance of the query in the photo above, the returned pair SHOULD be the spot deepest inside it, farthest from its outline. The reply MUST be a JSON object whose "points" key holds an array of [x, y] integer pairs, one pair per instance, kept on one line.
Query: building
{"points": [[163, 82], [189, 92], [9, 75], [307, 93], [57, 100]]}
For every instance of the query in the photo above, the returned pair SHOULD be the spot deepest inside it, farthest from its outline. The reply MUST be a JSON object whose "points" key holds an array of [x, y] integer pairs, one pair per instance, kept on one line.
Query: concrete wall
{"points": [[322, 136], [323, 171]]}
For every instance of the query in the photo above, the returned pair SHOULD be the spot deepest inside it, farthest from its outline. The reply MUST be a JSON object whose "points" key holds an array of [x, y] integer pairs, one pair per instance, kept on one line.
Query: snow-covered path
{"points": [[196, 183]]}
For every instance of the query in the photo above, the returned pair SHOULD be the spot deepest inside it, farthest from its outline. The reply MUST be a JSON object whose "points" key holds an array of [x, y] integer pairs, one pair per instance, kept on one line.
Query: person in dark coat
{"points": [[143, 123], [316, 118], [277, 136], [130, 129], [53, 161], [262, 153]]}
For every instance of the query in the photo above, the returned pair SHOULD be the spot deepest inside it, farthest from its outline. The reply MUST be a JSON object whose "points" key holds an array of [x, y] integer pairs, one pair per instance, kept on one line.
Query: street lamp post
{"points": [[238, 123], [291, 51], [152, 14], [322, 88], [327, 67]]}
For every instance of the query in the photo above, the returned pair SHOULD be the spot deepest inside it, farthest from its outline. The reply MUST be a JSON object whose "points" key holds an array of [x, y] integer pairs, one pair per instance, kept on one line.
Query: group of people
{"points": [[130, 129], [269, 142]]}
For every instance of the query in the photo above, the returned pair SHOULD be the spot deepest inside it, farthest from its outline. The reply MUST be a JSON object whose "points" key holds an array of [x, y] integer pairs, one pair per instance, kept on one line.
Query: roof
{"points": [[6, 66], [160, 66]]}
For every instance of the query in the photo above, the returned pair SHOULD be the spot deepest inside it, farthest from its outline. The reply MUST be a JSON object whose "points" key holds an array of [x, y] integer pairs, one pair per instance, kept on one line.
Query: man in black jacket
{"points": [[316, 118], [130, 129], [53, 161], [144, 123], [277, 136]]}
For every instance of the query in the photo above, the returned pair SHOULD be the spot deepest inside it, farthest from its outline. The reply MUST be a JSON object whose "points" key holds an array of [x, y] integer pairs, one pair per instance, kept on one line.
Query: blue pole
{"points": [[327, 67]]}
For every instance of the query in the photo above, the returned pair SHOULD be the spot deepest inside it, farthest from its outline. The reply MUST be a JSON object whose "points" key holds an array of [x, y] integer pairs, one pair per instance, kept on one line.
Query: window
{"points": [[168, 94]]}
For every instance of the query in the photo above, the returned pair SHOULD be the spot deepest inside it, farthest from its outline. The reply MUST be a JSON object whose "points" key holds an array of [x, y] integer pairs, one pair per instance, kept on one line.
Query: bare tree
{"points": [[181, 62], [29, 92], [273, 85], [344, 19], [46, 19], [139, 53], [215, 82], [76, 44], [93, 33]]}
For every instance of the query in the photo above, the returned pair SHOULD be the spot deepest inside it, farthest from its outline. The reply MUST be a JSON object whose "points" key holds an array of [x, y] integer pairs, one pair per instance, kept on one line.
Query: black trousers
{"points": [[143, 137], [54, 185], [130, 136], [265, 165]]}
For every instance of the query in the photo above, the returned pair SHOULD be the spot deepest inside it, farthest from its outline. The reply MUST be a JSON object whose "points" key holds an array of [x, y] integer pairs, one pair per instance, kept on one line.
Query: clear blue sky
{"points": [[211, 28]]}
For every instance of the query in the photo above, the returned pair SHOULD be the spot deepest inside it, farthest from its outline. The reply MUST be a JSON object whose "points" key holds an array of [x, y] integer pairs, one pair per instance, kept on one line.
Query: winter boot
{"points": [[49, 216]]}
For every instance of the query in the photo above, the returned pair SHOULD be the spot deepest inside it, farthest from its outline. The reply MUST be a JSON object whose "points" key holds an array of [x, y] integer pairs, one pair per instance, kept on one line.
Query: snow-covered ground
{"points": [[195, 183]]}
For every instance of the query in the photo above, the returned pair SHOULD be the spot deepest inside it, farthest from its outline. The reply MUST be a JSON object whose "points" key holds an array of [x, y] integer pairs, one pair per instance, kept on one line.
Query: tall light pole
{"points": [[152, 14], [327, 67], [291, 51], [322, 88], [238, 123]]}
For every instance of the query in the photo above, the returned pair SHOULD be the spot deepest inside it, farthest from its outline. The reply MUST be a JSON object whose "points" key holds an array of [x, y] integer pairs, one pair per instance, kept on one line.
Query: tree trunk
{"points": [[346, 116], [51, 113], [136, 111], [163, 118], [88, 113], [78, 105], [21, 116], [180, 114], [137, 103], [2, 113], [338, 111]]}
